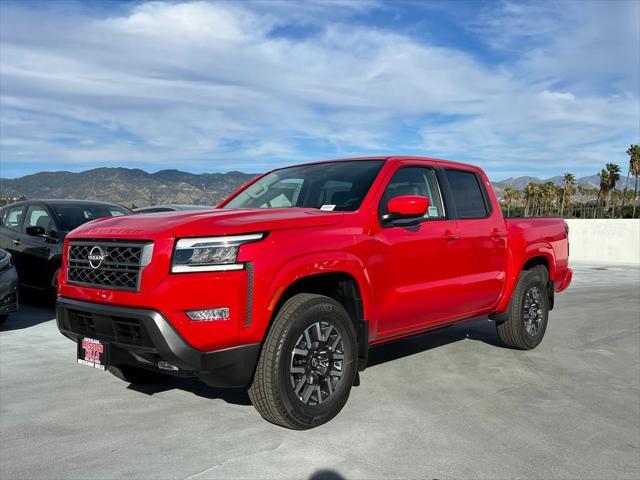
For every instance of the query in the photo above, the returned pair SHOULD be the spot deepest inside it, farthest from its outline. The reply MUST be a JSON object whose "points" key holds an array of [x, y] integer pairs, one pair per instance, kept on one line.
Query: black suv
{"points": [[33, 232]]}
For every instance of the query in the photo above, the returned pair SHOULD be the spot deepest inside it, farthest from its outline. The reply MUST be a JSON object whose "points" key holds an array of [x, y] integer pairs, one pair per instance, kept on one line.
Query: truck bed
{"points": [[548, 235]]}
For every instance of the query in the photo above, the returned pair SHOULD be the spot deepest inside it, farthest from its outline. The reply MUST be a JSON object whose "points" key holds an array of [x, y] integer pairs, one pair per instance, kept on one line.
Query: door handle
{"points": [[450, 236], [497, 234], [16, 242]]}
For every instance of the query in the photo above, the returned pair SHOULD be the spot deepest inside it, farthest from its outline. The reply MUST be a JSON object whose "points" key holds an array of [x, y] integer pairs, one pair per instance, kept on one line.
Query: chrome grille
{"points": [[119, 267]]}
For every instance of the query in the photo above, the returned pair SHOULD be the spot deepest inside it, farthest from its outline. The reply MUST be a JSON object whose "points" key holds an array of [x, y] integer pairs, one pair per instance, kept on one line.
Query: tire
{"points": [[53, 284], [52, 290], [3, 318], [289, 387], [135, 375], [528, 313]]}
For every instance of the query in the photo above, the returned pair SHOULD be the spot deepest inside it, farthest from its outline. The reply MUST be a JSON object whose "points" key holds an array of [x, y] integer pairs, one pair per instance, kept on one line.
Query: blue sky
{"points": [[520, 88]]}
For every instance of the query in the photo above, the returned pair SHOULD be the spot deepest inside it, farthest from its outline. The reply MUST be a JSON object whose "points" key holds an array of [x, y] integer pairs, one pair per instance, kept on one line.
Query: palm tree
{"points": [[567, 191], [511, 195], [617, 197], [608, 178], [531, 195], [548, 194], [614, 175], [634, 169], [604, 184]]}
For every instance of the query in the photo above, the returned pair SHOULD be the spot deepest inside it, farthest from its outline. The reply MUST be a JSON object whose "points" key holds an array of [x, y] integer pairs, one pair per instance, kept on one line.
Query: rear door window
{"points": [[37, 216], [467, 194]]}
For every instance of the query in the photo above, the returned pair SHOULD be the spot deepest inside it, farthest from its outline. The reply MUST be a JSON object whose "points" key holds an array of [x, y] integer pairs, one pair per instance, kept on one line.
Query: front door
{"points": [[415, 277]]}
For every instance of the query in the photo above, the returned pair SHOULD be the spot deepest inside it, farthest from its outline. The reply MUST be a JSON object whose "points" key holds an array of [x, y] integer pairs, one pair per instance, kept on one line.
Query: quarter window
{"points": [[414, 181], [467, 194], [13, 217]]}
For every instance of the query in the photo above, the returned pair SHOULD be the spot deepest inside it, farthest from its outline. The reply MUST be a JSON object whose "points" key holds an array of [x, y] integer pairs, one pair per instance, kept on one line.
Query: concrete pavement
{"points": [[449, 404]]}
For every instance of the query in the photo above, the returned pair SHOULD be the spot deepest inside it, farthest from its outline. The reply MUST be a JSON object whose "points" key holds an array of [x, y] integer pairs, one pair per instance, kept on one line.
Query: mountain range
{"points": [[519, 183], [135, 187], [126, 186]]}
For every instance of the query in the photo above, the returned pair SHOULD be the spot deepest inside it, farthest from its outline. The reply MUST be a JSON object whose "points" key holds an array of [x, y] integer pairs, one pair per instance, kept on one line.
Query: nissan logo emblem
{"points": [[96, 257]]}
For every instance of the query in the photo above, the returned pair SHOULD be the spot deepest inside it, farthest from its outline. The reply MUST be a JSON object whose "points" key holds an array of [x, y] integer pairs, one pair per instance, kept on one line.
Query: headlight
{"points": [[210, 254]]}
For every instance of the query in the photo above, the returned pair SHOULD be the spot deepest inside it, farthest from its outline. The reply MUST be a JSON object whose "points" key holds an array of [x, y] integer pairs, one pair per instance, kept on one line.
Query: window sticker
{"points": [[327, 208]]}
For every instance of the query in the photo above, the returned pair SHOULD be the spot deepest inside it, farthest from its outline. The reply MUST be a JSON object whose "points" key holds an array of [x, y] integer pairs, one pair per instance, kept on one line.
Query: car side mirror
{"points": [[36, 231], [406, 207]]}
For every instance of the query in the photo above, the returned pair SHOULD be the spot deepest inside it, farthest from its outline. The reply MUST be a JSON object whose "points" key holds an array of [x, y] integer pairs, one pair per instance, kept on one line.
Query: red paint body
{"points": [[410, 279]]}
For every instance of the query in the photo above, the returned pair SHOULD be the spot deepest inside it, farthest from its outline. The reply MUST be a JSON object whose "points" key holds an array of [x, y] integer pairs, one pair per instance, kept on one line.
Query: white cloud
{"points": [[208, 83]]}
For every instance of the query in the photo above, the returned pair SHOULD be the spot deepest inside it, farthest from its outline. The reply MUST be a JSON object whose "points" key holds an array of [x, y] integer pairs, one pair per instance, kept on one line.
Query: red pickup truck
{"points": [[285, 286]]}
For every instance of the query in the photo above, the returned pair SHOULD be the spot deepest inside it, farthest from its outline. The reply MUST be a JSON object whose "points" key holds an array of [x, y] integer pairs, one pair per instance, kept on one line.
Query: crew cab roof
{"points": [[392, 158]]}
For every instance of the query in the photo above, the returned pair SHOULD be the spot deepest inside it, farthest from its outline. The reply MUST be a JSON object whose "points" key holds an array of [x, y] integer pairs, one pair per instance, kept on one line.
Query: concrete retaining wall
{"points": [[604, 241]]}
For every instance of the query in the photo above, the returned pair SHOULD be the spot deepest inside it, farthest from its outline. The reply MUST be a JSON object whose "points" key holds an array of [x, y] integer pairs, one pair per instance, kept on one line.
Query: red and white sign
{"points": [[92, 353]]}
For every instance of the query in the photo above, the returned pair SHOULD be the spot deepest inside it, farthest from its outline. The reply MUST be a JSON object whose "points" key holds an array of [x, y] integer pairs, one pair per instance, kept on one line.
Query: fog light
{"points": [[208, 315], [162, 365]]}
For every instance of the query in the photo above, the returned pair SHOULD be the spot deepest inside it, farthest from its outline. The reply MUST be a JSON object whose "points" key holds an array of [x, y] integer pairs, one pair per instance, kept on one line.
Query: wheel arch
{"points": [[535, 255], [537, 261], [539, 254], [344, 285]]}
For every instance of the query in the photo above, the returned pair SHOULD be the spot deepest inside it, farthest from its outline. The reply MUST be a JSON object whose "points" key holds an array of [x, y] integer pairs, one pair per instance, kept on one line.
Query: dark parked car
{"points": [[33, 232], [170, 208], [8, 286]]}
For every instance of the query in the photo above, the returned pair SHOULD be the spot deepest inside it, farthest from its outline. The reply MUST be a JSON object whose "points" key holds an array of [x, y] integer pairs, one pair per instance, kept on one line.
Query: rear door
{"points": [[415, 280], [481, 246]]}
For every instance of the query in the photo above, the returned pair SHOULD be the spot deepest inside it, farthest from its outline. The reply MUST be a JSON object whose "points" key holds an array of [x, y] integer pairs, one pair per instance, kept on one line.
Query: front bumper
{"points": [[8, 292], [171, 295], [143, 337]]}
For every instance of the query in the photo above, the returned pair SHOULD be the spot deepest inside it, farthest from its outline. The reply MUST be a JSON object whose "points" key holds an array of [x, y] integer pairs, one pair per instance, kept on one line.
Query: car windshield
{"points": [[330, 186], [73, 215]]}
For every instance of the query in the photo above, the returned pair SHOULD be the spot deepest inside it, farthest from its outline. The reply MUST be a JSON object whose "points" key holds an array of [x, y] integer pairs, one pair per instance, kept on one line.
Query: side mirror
{"points": [[36, 231], [407, 207]]}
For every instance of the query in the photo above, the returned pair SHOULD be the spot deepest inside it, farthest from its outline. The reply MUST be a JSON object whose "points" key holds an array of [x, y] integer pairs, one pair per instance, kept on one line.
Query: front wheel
{"points": [[307, 365], [528, 312], [3, 318]]}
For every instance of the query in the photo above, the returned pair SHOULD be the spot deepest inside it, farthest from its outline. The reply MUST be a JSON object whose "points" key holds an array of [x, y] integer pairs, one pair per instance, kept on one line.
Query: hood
{"points": [[223, 221]]}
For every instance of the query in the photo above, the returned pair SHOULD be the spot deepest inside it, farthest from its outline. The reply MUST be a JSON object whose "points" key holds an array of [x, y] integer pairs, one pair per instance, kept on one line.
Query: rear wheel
{"points": [[136, 375], [3, 318], [307, 365], [528, 313]]}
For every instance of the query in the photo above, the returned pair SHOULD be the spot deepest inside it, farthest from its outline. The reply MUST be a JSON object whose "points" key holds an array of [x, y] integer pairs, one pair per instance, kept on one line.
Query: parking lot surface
{"points": [[448, 404]]}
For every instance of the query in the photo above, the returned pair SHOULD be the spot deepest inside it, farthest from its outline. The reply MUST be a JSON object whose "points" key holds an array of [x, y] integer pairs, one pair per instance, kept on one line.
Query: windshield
{"points": [[331, 186], [72, 216]]}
